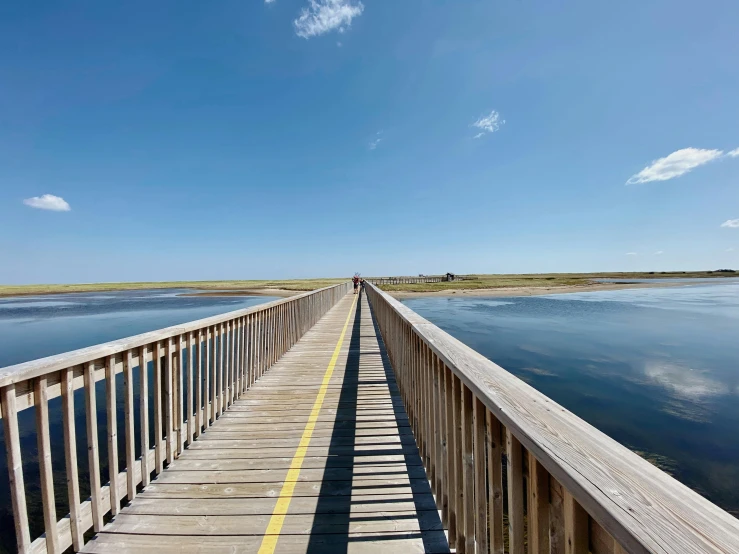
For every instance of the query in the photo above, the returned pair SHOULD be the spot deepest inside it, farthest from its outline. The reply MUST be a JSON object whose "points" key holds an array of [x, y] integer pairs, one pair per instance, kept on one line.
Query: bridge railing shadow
{"points": [[387, 472]]}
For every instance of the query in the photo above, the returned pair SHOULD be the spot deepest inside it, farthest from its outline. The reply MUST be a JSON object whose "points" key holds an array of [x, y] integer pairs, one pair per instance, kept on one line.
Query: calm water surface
{"points": [[656, 369], [34, 327]]}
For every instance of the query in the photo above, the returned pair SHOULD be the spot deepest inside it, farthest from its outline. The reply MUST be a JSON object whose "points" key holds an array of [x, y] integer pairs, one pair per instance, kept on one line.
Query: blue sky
{"points": [[301, 138]]}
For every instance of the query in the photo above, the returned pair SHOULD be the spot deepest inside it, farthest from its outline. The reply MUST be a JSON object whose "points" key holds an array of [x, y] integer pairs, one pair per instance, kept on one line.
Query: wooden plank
{"points": [[458, 489], [180, 387], [128, 419], [221, 381], [169, 400], [576, 526], [468, 476], [70, 460], [199, 387], [45, 467], [481, 507], [556, 517], [92, 448], [110, 404], [144, 417], [538, 507], [451, 474], [514, 470], [209, 381], [15, 469], [190, 391], [495, 483], [160, 454]]}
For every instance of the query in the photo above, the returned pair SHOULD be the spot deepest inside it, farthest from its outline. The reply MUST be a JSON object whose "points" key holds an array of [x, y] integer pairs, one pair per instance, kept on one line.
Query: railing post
{"points": [[44, 456], [15, 469], [110, 398], [92, 446], [70, 459]]}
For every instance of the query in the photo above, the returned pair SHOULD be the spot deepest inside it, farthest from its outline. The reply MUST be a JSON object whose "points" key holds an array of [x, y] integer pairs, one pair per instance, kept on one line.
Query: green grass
{"points": [[545, 280], [291, 284], [475, 282]]}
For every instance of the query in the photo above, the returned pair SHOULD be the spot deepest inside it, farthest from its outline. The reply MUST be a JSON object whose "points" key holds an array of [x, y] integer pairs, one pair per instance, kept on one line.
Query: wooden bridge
{"points": [[328, 422]]}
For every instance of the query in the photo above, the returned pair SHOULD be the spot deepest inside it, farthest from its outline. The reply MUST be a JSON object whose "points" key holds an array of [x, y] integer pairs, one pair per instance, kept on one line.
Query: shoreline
{"points": [[503, 292], [451, 292], [282, 293]]}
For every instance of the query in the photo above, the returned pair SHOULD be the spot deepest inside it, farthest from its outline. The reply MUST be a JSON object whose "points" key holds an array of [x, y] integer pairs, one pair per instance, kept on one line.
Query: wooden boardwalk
{"points": [[354, 484]]}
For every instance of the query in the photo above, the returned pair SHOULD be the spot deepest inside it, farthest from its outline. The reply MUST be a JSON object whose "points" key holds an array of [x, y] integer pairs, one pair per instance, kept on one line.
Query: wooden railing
{"points": [[199, 370], [509, 466]]}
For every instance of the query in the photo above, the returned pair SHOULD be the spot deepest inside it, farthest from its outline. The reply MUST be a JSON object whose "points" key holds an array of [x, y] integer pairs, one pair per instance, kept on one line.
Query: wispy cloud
{"points": [[48, 202], [268, 1], [734, 153], [730, 249], [323, 16], [731, 223], [659, 252], [488, 124], [375, 141], [631, 254], [676, 164]]}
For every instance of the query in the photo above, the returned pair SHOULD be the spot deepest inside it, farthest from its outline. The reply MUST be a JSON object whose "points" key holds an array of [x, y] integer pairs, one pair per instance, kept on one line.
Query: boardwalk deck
{"points": [[361, 487]]}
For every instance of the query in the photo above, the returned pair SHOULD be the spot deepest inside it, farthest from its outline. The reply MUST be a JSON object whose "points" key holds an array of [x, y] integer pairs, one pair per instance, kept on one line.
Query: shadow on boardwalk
{"points": [[345, 509]]}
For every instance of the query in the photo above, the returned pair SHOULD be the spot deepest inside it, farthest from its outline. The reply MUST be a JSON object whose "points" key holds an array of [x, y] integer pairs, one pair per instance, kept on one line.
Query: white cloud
{"points": [[659, 252], [48, 202], [731, 223], [268, 1], [377, 140], [631, 254], [734, 153], [488, 124], [676, 164], [322, 16], [730, 249]]}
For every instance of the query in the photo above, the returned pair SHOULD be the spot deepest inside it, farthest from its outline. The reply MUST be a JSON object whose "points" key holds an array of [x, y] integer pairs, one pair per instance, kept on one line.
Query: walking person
{"points": [[355, 280]]}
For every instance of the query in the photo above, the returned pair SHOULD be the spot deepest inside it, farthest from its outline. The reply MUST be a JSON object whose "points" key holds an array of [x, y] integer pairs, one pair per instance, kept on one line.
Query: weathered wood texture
{"points": [[172, 353], [569, 486], [362, 486]]}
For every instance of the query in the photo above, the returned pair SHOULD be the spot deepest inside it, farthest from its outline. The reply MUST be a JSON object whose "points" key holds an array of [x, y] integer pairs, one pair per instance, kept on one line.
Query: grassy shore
{"points": [[255, 285], [471, 283], [546, 280]]}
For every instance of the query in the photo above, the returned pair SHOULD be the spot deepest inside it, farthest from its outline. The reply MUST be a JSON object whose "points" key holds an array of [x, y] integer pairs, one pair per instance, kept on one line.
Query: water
{"points": [[38, 326], [34, 327], [657, 369]]}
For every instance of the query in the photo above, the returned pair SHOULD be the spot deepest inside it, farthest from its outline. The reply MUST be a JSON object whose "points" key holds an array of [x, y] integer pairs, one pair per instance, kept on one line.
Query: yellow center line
{"points": [[269, 542]]}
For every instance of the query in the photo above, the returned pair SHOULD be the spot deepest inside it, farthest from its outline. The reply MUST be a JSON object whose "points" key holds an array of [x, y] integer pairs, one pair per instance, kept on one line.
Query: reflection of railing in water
{"points": [[199, 369], [568, 487]]}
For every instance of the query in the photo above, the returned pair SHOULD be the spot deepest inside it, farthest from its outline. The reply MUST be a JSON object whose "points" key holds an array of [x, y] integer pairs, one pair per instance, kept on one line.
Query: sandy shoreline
{"points": [[282, 293], [489, 292], [535, 291]]}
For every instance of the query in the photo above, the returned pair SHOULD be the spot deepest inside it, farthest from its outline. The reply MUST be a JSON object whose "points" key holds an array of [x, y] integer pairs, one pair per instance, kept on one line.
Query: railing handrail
{"points": [[41, 366], [643, 508]]}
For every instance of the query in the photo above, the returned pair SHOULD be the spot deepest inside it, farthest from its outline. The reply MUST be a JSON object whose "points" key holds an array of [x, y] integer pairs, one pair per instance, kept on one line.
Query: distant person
{"points": [[361, 283], [355, 280]]}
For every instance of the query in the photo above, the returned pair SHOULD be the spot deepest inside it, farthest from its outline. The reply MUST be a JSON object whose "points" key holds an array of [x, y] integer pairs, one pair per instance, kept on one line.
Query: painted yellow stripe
{"points": [[269, 542]]}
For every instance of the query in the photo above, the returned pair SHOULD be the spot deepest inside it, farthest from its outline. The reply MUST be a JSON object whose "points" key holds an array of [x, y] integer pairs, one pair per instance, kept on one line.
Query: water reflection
{"points": [[656, 369]]}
